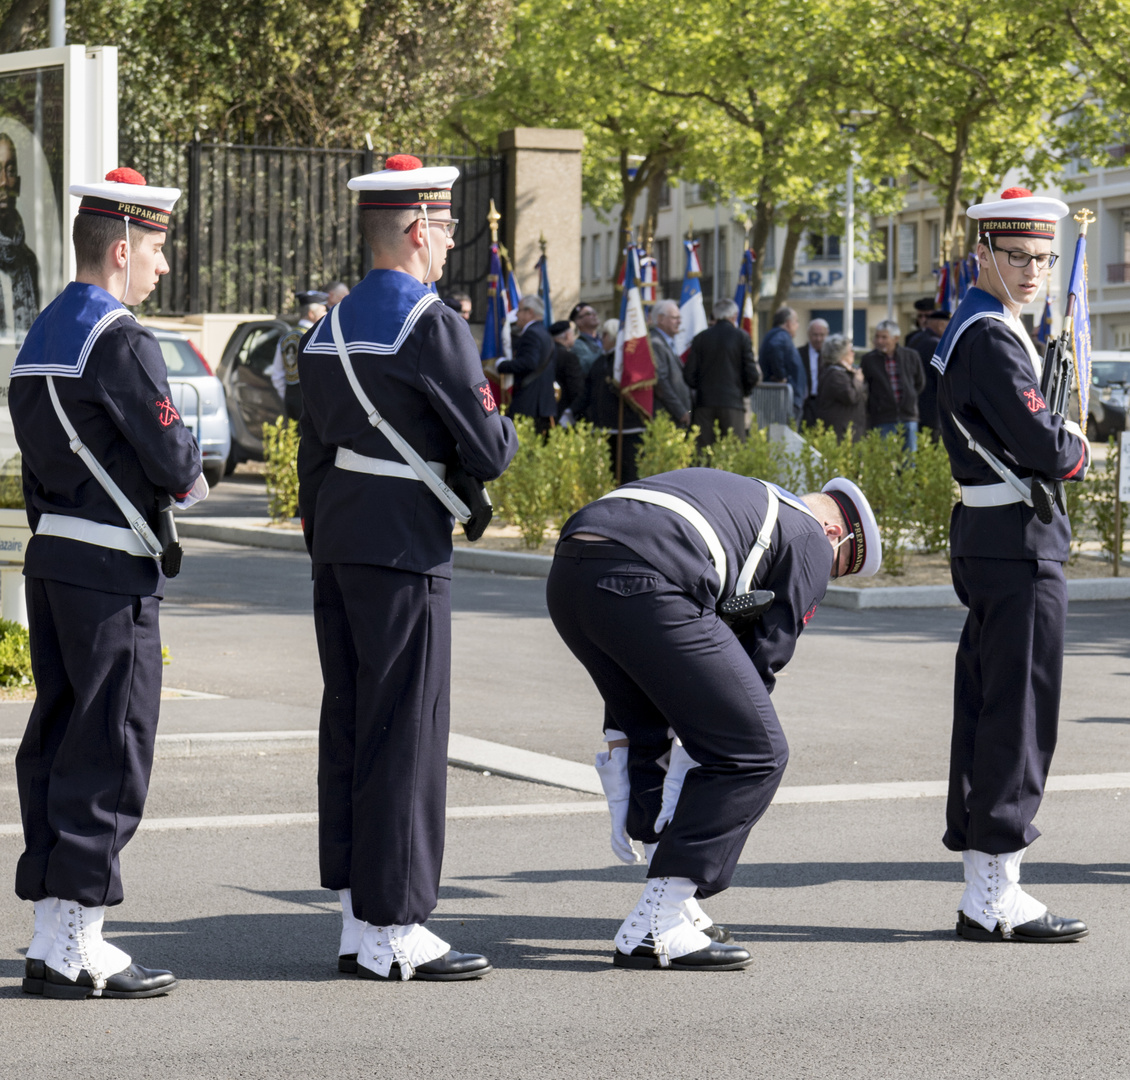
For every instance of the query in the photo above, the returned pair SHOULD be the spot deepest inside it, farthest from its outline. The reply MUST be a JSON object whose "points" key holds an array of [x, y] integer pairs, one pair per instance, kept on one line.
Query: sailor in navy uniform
{"points": [[284, 367], [1007, 569], [637, 582], [90, 375], [380, 540]]}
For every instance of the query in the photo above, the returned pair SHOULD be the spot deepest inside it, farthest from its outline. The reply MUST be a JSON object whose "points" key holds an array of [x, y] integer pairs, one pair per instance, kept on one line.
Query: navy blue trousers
{"points": [[84, 763], [384, 638], [661, 659], [1006, 700]]}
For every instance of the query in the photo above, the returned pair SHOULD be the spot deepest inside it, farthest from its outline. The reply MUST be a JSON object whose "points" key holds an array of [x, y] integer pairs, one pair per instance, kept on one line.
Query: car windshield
{"points": [[180, 359]]}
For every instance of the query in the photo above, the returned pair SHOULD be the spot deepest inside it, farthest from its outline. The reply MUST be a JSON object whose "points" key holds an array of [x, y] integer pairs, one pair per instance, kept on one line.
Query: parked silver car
{"points": [[1110, 394], [199, 398]]}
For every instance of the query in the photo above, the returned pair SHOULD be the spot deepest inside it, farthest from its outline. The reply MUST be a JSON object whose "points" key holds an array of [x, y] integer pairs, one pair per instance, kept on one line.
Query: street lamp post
{"points": [[849, 244], [57, 24]]}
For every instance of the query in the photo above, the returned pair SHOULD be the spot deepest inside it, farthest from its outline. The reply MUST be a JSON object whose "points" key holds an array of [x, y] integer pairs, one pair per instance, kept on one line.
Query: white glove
{"points": [[1075, 429], [612, 768], [566, 418], [197, 493], [681, 764]]}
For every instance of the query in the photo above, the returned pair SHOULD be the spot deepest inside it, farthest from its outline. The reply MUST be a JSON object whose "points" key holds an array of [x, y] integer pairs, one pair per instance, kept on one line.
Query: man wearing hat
{"points": [[1007, 569], [922, 309], [103, 448], [312, 305], [683, 595], [568, 375], [926, 343], [395, 402]]}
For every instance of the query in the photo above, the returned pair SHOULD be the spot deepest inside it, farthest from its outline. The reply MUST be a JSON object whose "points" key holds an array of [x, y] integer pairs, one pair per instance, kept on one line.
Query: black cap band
{"points": [[148, 217], [436, 198], [857, 549]]}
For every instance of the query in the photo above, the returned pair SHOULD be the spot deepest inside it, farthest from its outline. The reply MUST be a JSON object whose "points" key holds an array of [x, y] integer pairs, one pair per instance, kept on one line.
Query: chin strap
{"points": [[428, 232], [993, 259], [126, 292]]}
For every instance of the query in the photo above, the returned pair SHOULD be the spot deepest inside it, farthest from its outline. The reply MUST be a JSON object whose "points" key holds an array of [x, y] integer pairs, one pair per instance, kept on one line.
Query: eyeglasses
{"points": [[1021, 259], [449, 227]]}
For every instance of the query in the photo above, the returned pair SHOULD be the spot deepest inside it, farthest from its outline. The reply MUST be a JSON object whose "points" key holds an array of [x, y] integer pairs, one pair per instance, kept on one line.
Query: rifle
{"points": [[1055, 387]]}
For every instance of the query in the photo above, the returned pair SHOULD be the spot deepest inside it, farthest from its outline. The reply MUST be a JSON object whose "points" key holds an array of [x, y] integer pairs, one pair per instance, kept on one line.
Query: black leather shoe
{"points": [[347, 963], [718, 934], [448, 968], [1046, 929], [135, 982], [716, 956], [33, 976]]}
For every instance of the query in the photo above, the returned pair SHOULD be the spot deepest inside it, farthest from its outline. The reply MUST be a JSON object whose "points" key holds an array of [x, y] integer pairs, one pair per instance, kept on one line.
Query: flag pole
{"points": [[620, 441]]}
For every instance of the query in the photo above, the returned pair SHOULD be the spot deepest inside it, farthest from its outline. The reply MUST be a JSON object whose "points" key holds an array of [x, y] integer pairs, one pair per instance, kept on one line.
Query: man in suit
{"points": [[926, 343], [810, 361], [894, 378], [587, 346], [532, 366], [671, 390], [722, 372], [567, 368], [922, 309], [780, 360]]}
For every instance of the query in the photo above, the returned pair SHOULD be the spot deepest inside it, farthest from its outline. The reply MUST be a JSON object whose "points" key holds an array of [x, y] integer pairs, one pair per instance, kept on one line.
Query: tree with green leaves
{"points": [[288, 70]]}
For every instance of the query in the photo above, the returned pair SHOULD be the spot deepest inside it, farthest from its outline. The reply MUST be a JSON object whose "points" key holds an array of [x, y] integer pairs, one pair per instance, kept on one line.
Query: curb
{"points": [[246, 531]]}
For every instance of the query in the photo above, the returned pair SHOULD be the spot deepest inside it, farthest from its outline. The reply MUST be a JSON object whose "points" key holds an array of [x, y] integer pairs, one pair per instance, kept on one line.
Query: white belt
{"points": [[352, 462], [92, 532], [993, 494]]}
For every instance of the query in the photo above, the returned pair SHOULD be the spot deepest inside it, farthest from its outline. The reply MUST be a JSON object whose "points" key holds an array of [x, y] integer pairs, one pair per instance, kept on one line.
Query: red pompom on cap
{"points": [[125, 176], [403, 162], [1016, 193]]}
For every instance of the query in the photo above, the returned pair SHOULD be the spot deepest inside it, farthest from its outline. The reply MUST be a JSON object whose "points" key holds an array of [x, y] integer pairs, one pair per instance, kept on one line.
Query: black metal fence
{"points": [[256, 224]]}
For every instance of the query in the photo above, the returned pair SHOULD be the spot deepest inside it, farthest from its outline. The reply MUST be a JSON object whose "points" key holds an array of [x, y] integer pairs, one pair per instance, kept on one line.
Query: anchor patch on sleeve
{"points": [[1033, 400], [165, 411], [485, 397]]}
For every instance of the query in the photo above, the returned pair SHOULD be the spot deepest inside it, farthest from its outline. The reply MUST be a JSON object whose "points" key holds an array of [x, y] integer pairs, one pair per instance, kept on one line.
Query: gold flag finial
{"points": [[1084, 218], [542, 243], [493, 218], [690, 229]]}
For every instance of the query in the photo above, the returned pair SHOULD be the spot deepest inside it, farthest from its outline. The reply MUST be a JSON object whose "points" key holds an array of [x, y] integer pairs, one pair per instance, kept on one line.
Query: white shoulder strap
{"points": [[995, 463], [688, 513], [760, 545], [419, 466], [131, 513]]}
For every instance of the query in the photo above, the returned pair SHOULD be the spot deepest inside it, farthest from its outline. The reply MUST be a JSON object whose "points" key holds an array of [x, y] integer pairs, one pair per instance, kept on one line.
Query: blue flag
{"points": [[496, 309], [742, 297], [1044, 331], [543, 290], [691, 306], [1079, 311]]}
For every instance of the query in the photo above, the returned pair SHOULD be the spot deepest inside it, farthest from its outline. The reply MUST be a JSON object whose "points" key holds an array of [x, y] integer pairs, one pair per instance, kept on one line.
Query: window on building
{"points": [[935, 242], [879, 244], [583, 246], [822, 248], [613, 255], [1126, 236], [768, 257], [663, 259], [907, 251], [665, 197], [597, 265]]}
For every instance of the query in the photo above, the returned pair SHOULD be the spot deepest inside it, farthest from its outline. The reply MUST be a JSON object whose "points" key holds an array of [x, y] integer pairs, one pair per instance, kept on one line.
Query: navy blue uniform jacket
{"points": [[533, 370], [988, 380], [120, 407], [796, 567], [418, 363]]}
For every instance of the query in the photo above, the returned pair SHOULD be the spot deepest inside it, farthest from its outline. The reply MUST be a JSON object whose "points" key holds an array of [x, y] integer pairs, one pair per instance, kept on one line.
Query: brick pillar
{"points": [[543, 195]]}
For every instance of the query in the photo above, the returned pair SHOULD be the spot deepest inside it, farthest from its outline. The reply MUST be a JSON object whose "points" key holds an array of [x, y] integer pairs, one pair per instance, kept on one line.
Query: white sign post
{"points": [[1123, 496]]}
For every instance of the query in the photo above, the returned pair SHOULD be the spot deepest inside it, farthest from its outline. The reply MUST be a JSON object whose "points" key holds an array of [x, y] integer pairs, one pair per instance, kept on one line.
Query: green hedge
{"points": [[280, 452], [15, 655]]}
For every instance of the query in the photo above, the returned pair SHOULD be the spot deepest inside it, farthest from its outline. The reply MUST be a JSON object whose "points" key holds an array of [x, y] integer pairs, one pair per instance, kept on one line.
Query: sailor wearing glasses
{"points": [[683, 595], [1007, 569], [394, 400]]}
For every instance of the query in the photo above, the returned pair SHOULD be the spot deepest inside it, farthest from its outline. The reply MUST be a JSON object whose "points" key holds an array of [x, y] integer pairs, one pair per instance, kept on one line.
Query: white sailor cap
{"points": [[124, 194], [865, 548], [403, 183], [1018, 213]]}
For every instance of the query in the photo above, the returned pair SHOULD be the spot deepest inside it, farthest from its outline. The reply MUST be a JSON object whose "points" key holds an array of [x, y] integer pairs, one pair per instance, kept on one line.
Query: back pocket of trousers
{"points": [[629, 583]]}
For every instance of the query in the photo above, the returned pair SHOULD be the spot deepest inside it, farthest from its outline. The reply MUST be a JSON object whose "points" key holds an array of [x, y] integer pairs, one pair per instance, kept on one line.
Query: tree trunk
{"points": [[788, 261], [20, 19], [762, 224], [655, 184], [632, 186]]}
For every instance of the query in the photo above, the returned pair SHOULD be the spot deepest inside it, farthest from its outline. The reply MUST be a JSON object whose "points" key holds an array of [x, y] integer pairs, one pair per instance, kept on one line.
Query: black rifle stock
{"points": [[1047, 493]]}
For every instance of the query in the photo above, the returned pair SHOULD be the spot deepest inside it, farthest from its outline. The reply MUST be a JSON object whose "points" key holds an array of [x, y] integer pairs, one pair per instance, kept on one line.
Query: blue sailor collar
{"points": [[378, 315], [60, 340], [977, 305]]}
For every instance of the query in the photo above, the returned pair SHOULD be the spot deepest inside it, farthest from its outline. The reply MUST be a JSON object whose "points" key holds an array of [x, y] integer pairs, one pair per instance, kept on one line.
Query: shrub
{"points": [[280, 452], [887, 479], [580, 468], [1101, 491], [15, 655], [933, 495], [524, 494], [758, 456], [665, 446]]}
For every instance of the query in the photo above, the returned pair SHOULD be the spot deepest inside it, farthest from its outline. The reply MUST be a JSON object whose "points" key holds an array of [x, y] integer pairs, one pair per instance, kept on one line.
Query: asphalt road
{"points": [[848, 907]]}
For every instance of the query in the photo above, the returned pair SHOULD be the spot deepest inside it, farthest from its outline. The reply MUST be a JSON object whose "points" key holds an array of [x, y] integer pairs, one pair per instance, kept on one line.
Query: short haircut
{"points": [[782, 315], [92, 234], [577, 309], [532, 304], [383, 230], [889, 326], [457, 298], [725, 308], [833, 349], [661, 308], [818, 322], [610, 327]]}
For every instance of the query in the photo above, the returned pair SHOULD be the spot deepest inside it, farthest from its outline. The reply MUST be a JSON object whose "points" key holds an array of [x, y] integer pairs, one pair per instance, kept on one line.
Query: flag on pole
{"points": [[649, 279], [634, 368], [1079, 313], [691, 307], [543, 289], [1044, 332], [496, 330], [743, 297], [942, 296]]}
